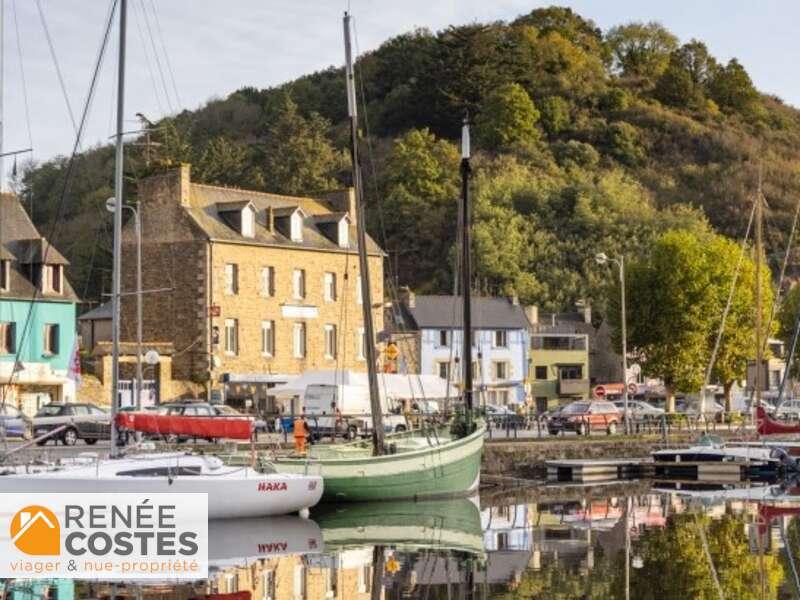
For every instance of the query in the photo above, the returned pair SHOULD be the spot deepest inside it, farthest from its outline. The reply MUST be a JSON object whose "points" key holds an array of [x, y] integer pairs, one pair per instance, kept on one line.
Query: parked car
{"points": [[789, 410], [15, 423], [639, 408], [581, 417], [85, 422], [204, 409]]}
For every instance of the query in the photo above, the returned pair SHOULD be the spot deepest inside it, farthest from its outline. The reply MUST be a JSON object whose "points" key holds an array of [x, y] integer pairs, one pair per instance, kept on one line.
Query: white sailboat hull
{"points": [[233, 492]]}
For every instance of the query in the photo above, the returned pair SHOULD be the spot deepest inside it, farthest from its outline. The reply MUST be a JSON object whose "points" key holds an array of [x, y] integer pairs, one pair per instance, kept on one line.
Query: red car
{"points": [[582, 417]]}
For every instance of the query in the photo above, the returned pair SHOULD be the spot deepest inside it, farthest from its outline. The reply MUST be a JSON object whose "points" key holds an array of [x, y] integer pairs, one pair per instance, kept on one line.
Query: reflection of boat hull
{"points": [[435, 470], [436, 524], [738, 454], [238, 541]]}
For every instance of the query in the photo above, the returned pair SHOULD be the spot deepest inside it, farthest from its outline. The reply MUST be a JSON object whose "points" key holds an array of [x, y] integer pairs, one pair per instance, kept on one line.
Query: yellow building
{"points": [[249, 287]]}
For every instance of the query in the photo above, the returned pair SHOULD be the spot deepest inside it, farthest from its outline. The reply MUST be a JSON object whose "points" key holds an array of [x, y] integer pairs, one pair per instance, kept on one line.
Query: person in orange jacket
{"points": [[300, 434]]}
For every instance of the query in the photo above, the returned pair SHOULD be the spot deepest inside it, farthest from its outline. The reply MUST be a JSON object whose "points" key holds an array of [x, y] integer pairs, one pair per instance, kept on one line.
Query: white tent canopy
{"points": [[392, 386]]}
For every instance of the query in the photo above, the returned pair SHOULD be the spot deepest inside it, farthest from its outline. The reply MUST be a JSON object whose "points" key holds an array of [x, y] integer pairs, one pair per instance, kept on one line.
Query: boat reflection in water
{"points": [[634, 542]]}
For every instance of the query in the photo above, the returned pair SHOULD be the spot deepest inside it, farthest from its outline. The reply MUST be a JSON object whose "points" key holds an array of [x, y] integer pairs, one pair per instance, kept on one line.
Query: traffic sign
{"points": [[392, 351], [599, 392], [633, 389]]}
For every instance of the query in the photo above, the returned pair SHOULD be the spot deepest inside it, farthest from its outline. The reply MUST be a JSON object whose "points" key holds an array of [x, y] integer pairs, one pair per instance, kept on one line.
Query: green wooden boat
{"points": [[405, 525], [425, 463]]}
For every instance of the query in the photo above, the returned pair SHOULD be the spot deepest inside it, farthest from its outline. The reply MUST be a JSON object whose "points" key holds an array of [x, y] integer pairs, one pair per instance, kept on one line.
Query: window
{"points": [[8, 337], [299, 284], [500, 371], [361, 344], [330, 341], [268, 281], [299, 340], [232, 336], [500, 338], [50, 339], [52, 279], [571, 372], [268, 338], [248, 222], [502, 397], [5, 274], [444, 370], [296, 226], [329, 287], [231, 279], [343, 233], [541, 372], [359, 298], [443, 338], [299, 582]]}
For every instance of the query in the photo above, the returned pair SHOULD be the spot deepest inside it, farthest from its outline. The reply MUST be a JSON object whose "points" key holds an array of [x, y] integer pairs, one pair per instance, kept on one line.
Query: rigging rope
{"points": [[146, 53], [155, 56], [54, 57], [167, 61], [22, 75]]}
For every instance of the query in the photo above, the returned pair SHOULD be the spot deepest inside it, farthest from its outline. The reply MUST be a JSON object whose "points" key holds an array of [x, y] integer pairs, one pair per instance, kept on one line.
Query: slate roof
{"points": [[99, 313], [21, 243], [444, 312], [205, 201]]}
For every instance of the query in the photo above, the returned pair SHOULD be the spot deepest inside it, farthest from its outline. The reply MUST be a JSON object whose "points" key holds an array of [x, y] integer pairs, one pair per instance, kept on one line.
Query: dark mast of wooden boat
{"points": [[466, 275], [363, 263]]}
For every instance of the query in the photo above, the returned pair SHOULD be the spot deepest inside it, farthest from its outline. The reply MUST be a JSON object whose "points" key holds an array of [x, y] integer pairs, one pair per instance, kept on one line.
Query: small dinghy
{"points": [[711, 448]]}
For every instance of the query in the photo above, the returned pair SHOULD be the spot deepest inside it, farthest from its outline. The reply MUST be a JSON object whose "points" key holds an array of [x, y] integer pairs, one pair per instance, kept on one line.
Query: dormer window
{"points": [[296, 226], [52, 279], [335, 227], [5, 275], [240, 216]]}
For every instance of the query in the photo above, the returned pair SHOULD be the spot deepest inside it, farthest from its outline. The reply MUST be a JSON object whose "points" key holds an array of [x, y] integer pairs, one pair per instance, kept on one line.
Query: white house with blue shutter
{"points": [[500, 342]]}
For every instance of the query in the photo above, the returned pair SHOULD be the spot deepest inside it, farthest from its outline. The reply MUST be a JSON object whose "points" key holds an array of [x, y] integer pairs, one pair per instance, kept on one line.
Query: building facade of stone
{"points": [[249, 287]]}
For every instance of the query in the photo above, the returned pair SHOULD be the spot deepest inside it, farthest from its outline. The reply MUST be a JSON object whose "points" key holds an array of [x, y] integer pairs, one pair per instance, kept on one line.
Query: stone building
{"points": [[249, 287]]}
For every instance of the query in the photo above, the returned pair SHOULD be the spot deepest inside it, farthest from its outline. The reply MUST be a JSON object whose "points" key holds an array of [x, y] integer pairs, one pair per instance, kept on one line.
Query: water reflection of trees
{"points": [[674, 565]]}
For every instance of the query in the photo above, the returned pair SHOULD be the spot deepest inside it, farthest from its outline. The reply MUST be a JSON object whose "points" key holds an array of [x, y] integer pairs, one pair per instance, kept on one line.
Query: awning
{"points": [[390, 385]]}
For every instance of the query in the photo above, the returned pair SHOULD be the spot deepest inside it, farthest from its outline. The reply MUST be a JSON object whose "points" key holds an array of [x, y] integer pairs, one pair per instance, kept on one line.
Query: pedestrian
{"points": [[278, 424], [301, 434]]}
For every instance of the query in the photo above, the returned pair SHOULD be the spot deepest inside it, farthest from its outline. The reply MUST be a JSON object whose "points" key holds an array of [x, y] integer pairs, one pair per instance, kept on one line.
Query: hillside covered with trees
{"points": [[586, 140]]}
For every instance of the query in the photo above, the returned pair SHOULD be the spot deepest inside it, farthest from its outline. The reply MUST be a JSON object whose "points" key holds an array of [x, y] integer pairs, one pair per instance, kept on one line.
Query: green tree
{"points": [[737, 341], [422, 188], [508, 116], [223, 162], [732, 89], [675, 87], [641, 50], [554, 115], [787, 322], [624, 143], [298, 157]]}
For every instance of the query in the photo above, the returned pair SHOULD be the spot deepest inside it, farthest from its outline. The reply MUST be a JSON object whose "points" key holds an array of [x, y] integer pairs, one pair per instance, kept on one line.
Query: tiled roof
{"points": [[203, 209], [445, 312], [21, 243]]}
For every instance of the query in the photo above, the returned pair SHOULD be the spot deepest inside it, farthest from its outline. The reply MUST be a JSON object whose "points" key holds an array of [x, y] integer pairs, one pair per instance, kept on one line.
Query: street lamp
{"points": [[110, 207], [601, 258]]}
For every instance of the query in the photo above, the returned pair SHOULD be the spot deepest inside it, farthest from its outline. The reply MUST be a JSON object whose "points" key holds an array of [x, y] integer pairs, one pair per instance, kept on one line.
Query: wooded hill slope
{"points": [[586, 141]]}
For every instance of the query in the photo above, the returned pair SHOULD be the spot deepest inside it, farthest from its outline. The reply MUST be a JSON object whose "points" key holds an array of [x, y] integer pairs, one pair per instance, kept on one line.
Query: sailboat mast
{"points": [[363, 263], [759, 252], [2, 88], [466, 273], [117, 263]]}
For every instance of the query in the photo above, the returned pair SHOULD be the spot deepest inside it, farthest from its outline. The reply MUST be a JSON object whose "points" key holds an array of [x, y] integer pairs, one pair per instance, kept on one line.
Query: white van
{"points": [[350, 405]]}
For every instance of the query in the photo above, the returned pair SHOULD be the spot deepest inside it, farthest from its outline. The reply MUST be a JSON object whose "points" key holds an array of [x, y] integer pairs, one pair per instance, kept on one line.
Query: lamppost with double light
{"points": [[601, 258]]}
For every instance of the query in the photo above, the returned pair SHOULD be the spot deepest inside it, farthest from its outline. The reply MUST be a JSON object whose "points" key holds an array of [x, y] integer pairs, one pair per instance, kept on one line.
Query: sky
{"points": [[213, 47]]}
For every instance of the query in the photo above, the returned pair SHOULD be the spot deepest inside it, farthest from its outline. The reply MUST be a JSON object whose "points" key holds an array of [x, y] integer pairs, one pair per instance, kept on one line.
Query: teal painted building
{"points": [[37, 314]]}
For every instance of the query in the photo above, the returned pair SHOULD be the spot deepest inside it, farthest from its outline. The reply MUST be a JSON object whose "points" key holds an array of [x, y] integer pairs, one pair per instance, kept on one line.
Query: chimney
{"points": [[185, 183], [513, 299], [532, 312], [587, 313], [407, 297], [270, 219]]}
